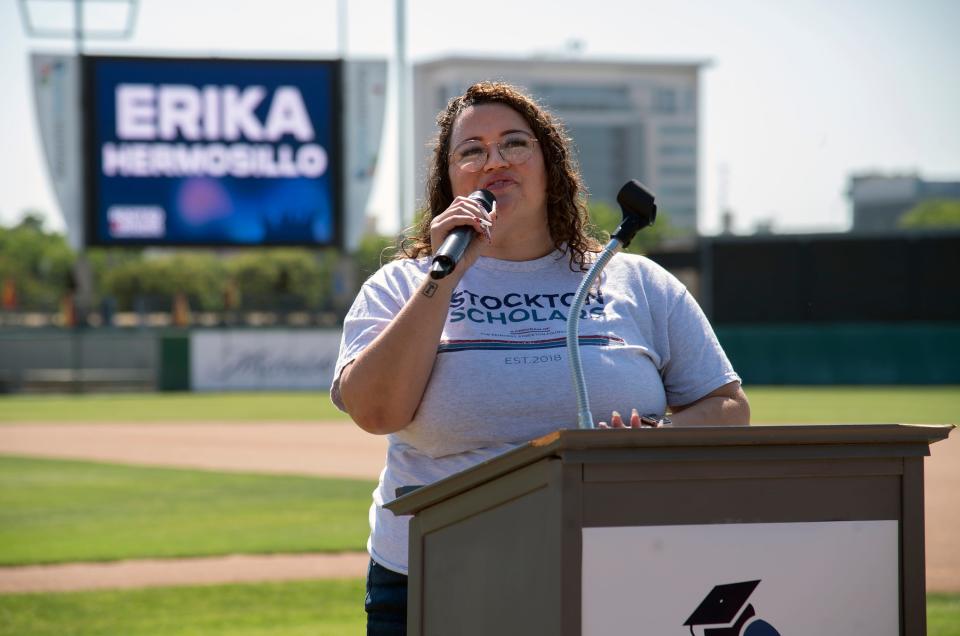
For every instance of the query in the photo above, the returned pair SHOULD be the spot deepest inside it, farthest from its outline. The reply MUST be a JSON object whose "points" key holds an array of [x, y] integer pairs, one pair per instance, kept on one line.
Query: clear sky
{"points": [[799, 95]]}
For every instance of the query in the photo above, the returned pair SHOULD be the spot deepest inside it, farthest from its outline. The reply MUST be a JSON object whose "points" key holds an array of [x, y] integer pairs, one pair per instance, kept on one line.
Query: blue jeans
{"points": [[386, 601]]}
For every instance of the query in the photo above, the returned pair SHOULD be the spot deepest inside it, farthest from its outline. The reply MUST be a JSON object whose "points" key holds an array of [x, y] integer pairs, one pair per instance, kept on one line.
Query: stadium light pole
{"points": [[80, 33], [342, 25], [404, 132]]}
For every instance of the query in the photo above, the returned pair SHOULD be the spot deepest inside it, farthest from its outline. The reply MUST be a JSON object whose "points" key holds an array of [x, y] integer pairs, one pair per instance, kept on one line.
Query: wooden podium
{"points": [[514, 545]]}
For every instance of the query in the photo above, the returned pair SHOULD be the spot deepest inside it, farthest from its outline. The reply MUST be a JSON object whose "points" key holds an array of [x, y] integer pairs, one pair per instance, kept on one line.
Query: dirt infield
{"points": [[334, 449], [239, 568], [942, 507], [330, 449]]}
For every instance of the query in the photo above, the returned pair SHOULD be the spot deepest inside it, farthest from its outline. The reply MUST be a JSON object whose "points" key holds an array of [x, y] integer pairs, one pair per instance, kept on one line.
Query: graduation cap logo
{"points": [[726, 610]]}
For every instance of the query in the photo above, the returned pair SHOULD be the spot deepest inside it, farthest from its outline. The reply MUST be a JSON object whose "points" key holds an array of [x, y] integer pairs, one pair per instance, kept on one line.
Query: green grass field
{"points": [[770, 405], [315, 608], [56, 511], [170, 407], [850, 404], [59, 511], [312, 608], [943, 614]]}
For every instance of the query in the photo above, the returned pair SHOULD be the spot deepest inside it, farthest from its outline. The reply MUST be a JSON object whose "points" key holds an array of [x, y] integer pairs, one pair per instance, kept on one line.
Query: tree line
{"points": [[38, 267], [38, 270]]}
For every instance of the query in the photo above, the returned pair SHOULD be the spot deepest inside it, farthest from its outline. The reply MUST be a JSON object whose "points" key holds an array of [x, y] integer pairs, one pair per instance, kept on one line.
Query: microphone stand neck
{"points": [[584, 416]]}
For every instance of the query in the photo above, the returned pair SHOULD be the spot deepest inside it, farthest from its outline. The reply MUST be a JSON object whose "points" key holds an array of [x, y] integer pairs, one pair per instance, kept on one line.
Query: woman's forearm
{"points": [[727, 406], [383, 386]]}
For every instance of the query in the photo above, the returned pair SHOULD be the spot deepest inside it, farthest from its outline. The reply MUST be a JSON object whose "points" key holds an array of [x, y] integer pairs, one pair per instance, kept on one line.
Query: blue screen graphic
{"points": [[213, 152]]}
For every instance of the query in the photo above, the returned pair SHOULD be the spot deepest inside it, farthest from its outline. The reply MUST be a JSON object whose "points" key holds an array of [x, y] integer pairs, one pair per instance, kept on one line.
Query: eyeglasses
{"points": [[471, 156]]}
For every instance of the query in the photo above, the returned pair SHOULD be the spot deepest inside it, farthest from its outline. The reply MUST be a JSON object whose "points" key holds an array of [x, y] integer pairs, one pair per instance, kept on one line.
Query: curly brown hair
{"points": [[567, 215]]}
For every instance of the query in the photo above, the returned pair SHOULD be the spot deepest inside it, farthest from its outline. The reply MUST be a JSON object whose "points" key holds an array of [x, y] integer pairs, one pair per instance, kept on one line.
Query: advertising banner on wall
{"points": [[213, 152], [237, 359], [743, 579]]}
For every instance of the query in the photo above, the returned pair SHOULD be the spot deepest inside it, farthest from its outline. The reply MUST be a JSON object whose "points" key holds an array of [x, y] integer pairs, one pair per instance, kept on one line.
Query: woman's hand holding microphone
{"points": [[464, 212]]}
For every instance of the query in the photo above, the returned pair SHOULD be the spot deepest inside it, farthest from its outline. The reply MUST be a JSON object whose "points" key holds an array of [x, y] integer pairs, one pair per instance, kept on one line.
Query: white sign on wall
{"points": [[824, 578], [262, 359]]}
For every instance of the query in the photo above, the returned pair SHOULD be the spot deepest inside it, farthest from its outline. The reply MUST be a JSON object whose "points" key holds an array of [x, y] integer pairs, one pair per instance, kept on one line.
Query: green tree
{"points": [[372, 251], [39, 262], [104, 260], [201, 276], [299, 276], [932, 214], [605, 220]]}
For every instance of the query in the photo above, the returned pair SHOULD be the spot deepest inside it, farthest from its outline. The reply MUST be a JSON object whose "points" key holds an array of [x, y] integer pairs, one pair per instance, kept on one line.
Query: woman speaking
{"points": [[458, 370]]}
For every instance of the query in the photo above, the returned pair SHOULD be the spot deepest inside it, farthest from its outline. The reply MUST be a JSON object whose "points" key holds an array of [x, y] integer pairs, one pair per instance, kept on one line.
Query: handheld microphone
{"points": [[454, 246]]}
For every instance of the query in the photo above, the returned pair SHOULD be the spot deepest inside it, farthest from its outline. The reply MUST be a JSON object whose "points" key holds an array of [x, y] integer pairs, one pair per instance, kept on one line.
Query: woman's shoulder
{"points": [[640, 265], [400, 269], [396, 278], [635, 270]]}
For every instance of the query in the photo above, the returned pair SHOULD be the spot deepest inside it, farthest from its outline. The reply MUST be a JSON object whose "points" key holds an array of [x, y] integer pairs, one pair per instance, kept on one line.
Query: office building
{"points": [[880, 200], [628, 120]]}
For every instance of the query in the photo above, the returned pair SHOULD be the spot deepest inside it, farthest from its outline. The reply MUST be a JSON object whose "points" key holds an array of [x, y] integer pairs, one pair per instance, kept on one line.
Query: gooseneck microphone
{"points": [[454, 246], [639, 211]]}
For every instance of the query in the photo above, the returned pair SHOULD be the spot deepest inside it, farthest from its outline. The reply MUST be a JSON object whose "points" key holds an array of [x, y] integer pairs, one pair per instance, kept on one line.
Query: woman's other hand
{"points": [[616, 421]]}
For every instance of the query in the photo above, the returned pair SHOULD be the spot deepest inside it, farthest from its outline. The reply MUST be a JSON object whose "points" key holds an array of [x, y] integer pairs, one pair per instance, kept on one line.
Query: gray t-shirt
{"points": [[502, 377]]}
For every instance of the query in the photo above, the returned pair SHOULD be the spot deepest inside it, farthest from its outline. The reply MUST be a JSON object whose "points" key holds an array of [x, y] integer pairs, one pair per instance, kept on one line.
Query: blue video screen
{"points": [[212, 152]]}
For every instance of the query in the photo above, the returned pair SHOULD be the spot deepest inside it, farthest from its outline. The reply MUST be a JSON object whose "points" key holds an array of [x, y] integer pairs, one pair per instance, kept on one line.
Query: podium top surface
{"points": [[576, 444]]}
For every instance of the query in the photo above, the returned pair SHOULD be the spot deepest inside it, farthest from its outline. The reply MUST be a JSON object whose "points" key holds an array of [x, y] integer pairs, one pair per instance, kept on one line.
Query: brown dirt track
{"points": [[334, 449]]}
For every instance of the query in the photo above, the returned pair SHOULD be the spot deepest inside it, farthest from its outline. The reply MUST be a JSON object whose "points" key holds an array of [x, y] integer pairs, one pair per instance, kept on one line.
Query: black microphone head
{"points": [[485, 197], [635, 200]]}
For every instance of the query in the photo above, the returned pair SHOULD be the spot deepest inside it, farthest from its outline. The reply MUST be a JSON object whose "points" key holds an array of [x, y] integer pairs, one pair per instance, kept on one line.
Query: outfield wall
{"points": [[831, 279], [68, 359], [285, 359], [844, 353], [167, 359], [248, 359]]}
